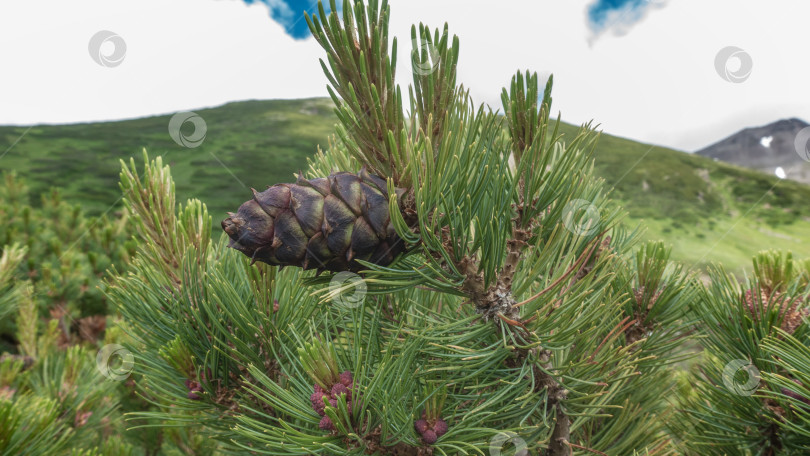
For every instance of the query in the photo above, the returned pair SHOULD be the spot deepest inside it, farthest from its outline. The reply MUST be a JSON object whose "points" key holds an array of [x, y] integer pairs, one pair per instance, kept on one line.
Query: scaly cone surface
{"points": [[324, 223]]}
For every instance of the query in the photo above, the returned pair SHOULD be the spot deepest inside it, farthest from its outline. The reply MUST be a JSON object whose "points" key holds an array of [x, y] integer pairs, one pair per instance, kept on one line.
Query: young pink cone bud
{"points": [[340, 388], [429, 437], [346, 379], [440, 427], [421, 426], [326, 424], [794, 394], [194, 388], [317, 402]]}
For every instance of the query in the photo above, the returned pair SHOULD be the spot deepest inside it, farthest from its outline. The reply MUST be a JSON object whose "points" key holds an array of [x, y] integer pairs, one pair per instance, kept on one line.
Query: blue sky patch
{"points": [[604, 14], [290, 14]]}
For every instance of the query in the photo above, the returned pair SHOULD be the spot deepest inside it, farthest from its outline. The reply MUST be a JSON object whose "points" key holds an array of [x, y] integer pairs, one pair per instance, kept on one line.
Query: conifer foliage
{"points": [[511, 313], [751, 393]]}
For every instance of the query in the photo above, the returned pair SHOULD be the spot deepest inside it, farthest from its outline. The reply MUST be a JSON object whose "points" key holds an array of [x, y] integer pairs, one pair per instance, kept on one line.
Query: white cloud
{"points": [[656, 83]]}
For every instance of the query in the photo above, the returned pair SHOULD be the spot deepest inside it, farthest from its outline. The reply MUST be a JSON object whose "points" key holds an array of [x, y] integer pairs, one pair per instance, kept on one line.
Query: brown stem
{"points": [[610, 335], [515, 252], [590, 450], [374, 444], [559, 445], [583, 258], [561, 434]]}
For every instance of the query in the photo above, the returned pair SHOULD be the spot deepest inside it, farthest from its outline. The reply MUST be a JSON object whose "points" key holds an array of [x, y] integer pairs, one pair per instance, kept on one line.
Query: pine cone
{"points": [[794, 394], [440, 427], [324, 224], [326, 424], [430, 437], [317, 402], [791, 310], [347, 379]]}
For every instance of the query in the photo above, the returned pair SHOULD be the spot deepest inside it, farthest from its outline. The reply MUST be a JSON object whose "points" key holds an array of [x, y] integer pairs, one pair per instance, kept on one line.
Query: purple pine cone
{"points": [[429, 437], [326, 424], [340, 388], [795, 395], [317, 402], [346, 379], [194, 387], [440, 427], [325, 223]]}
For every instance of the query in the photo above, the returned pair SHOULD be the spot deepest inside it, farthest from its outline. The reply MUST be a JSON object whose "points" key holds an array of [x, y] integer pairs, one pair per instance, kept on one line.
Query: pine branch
{"points": [[258, 359], [167, 233], [10, 291], [28, 317], [434, 92], [361, 75]]}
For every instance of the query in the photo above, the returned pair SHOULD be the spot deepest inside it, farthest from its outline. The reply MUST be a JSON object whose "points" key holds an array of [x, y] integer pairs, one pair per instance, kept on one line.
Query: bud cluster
{"points": [[322, 396], [194, 387], [791, 311], [430, 430]]}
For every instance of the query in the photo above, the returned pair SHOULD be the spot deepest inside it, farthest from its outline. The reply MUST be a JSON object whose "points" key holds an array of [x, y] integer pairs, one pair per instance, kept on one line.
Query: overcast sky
{"points": [[643, 69]]}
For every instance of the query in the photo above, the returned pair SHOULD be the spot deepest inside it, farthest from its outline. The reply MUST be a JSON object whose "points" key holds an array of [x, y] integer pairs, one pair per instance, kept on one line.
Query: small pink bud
{"points": [[340, 388], [440, 427], [317, 402], [429, 437], [346, 378], [326, 424]]}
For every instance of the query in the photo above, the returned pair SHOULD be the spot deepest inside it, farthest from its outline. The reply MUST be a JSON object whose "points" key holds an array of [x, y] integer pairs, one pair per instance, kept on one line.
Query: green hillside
{"points": [[708, 210]]}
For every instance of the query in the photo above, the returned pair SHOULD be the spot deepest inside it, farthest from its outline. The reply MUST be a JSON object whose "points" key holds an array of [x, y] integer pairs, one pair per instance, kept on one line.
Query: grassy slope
{"points": [[708, 210], [259, 142]]}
